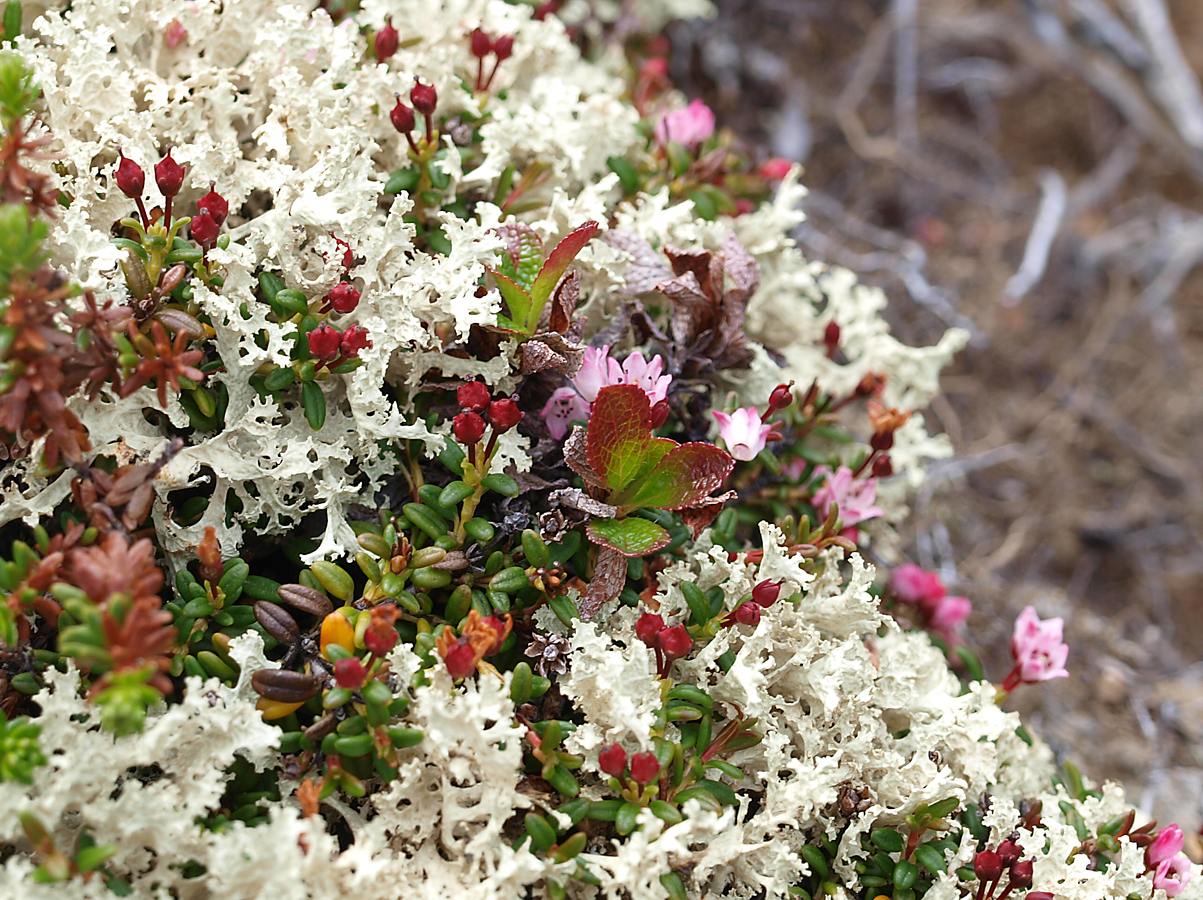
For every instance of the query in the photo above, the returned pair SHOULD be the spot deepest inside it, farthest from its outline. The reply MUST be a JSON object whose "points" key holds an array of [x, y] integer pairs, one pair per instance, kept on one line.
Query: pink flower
{"points": [[1038, 650], [597, 371], [689, 126], [775, 169], [948, 618], [854, 498], [1173, 874], [744, 432], [912, 584], [1169, 842]]}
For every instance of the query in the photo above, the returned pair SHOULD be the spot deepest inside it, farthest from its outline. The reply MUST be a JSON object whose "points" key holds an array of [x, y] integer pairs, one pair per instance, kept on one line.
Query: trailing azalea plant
{"points": [[432, 463]]}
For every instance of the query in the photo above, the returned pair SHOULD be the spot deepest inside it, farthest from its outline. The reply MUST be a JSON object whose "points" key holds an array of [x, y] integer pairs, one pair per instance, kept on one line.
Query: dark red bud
{"points": [[402, 117], [215, 205], [460, 659], [169, 176], [1009, 851], [343, 297], [503, 47], [381, 637], [781, 397], [831, 335], [647, 627], [645, 767], [1039, 895], [386, 40], [882, 441], [203, 229], [468, 428], [658, 415], [765, 594], [613, 760], [543, 10], [988, 866], [474, 396], [1021, 874], [350, 674], [480, 43], [324, 342], [504, 414], [883, 466], [674, 642], [424, 98], [354, 339], [130, 178], [745, 614]]}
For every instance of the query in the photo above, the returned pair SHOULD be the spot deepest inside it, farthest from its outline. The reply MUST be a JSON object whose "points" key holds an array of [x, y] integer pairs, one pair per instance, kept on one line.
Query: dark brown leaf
{"points": [[609, 578]]}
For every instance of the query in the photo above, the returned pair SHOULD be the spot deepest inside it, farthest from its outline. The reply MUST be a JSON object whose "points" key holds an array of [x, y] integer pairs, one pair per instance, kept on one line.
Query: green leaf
{"points": [[626, 172], [517, 301], [314, 402], [21, 237], [402, 180], [686, 475], [12, 19], [630, 537], [17, 89], [554, 266]]}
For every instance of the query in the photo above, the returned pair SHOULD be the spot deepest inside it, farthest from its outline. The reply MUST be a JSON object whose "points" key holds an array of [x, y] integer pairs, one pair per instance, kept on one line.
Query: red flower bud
{"points": [[130, 178], [1009, 851], [775, 169], [658, 415], [324, 341], [386, 40], [343, 297], [766, 593], [645, 767], [831, 336], [348, 255], [380, 640], [882, 441], [473, 395], [745, 614], [402, 117], [215, 205], [647, 627], [203, 229], [988, 866], [174, 34], [354, 339], [503, 47], [781, 397], [1038, 895], [424, 98], [460, 659], [350, 674], [674, 642], [480, 43], [468, 428], [883, 466], [504, 414], [169, 176], [613, 760], [1021, 874]]}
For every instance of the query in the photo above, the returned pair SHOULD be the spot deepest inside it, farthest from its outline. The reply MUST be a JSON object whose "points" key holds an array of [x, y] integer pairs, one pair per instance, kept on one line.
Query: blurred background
{"points": [[1032, 172]]}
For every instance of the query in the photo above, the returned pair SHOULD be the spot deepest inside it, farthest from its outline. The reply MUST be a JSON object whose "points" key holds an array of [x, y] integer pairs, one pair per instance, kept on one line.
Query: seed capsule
{"points": [[306, 599], [277, 622], [284, 685]]}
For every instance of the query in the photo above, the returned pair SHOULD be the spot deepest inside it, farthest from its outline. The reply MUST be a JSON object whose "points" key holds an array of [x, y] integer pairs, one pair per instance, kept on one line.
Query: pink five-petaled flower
{"points": [[689, 126], [855, 498], [1169, 842], [1173, 874], [597, 371], [1038, 649], [743, 431]]}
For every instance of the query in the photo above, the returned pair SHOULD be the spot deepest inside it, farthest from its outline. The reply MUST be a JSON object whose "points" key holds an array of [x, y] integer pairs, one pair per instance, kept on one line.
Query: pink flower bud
{"points": [[612, 760], [658, 414], [215, 205], [1009, 852], [386, 40], [775, 169], [468, 428], [174, 34], [402, 117], [169, 176], [647, 627], [424, 97], [131, 180], [474, 396], [781, 397], [344, 297], [645, 767], [350, 674], [1169, 842], [831, 336]]}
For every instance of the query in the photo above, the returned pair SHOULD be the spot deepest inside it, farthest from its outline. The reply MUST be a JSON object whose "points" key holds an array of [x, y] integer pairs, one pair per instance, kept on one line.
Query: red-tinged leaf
{"points": [[630, 537], [609, 577], [559, 260], [685, 476], [517, 301], [619, 445]]}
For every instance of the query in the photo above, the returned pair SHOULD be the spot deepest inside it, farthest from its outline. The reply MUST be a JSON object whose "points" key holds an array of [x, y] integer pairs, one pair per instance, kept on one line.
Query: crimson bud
{"points": [[215, 205], [130, 178], [386, 40], [831, 336], [781, 397], [468, 427], [658, 415], [480, 43], [324, 341], [504, 414], [1021, 874], [349, 673], [474, 396], [503, 47], [647, 627], [424, 98], [674, 642], [883, 466], [203, 229], [169, 176], [766, 593], [645, 767], [354, 339], [613, 760], [460, 659], [402, 117], [343, 297], [1009, 851], [988, 866], [745, 614], [1039, 895]]}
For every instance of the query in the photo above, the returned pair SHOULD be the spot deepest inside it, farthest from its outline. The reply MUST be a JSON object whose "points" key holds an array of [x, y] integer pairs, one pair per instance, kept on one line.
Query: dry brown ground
{"points": [[931, 131]]}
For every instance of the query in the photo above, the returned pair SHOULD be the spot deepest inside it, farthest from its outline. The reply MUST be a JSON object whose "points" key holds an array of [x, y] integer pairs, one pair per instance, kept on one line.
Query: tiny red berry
{"points": [[647, 627], [386, 40], [480, 43], [504, 414], [343, 297], [473, 395], [354, 339], [503, 47], [324, 341], [987, 865], [1021, 874], [460, 659], [766, 593], [674, 642], [468, 427], [203, 229], [645, 767], [215, 205], [350, 674], [402, 117], [169, 176], [613, 760], [424, 97], [130, 178]]}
